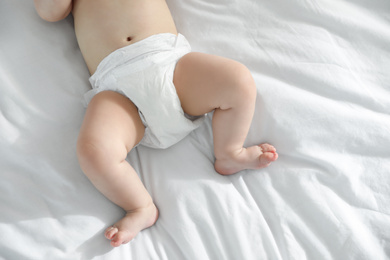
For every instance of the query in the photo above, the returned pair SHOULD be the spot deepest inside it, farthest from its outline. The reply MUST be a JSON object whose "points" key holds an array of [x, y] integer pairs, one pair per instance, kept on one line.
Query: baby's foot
{"points": [[130, 225], [254, 157]]}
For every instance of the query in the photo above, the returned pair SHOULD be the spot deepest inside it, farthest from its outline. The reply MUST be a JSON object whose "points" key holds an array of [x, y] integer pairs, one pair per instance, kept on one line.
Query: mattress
{"points": [[323, 100]]}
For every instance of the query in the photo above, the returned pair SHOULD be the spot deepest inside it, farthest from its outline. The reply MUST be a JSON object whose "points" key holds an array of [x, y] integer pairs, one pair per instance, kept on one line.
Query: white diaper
{"points": [[143, 72]]}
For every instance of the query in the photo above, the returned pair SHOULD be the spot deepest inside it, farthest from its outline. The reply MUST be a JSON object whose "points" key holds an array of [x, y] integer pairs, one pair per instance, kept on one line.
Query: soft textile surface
{"points": [[322, 72]]}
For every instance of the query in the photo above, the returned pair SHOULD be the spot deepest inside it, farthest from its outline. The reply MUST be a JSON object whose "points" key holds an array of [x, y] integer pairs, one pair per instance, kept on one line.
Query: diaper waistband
{"points": [[135, 53]]}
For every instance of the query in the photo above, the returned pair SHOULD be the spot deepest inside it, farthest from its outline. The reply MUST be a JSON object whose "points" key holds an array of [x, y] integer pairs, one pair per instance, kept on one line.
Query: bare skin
{"points": [[112, 126]]}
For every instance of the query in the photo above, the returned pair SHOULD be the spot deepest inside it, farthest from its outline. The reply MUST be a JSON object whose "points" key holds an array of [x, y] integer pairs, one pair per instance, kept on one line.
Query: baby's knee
{"points": [[89, 155], [97, 156], [244, 87]]}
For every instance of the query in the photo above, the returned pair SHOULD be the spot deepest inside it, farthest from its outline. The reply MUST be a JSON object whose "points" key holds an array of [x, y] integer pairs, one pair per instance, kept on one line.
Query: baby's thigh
{"points": [[112, 120], [204, 82]]}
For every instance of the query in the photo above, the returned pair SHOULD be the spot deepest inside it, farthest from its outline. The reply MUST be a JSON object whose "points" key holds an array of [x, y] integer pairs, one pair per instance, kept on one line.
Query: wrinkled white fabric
{"points": [[322, 73], [143, 72]]}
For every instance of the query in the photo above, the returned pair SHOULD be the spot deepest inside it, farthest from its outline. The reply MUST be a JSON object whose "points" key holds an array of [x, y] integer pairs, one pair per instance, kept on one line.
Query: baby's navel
{"points": [[128, 39]]}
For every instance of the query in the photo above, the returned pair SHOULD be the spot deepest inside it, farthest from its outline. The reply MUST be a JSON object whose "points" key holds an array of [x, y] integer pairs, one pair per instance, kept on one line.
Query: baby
{"points": [[150, 89]]}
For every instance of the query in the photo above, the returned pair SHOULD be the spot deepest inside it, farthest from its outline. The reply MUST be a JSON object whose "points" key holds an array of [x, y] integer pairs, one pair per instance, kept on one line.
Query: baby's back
{"points": [[103, 26]]}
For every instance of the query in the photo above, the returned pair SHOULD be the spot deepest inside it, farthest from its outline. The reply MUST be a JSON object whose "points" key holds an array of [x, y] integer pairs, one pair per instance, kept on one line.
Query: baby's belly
{"points": [[104, 26]]}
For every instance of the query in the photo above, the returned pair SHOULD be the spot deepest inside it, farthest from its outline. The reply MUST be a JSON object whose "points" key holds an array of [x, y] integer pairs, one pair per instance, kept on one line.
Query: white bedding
{"points": [[322, 72]]}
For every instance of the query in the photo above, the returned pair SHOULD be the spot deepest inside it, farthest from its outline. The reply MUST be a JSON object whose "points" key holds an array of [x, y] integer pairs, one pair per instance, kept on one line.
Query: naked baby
{"points": [[148, 88]]}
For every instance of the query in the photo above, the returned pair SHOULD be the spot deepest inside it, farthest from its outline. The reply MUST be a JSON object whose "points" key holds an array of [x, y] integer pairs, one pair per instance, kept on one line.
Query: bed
{"points": [[322, 74]]}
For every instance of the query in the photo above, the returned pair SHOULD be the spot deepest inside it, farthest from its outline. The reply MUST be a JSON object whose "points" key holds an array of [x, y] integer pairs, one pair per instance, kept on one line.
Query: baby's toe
{"points": [[267, 148], [267, 157], [116, 242], [110, 232], [120, 238]]}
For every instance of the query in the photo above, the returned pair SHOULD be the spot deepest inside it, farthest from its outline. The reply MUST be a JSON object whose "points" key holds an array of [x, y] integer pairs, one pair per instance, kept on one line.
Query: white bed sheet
{"points": [[322, 72]]}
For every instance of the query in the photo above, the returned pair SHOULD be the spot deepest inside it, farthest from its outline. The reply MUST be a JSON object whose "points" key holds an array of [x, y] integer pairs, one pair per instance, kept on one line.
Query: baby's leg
{"points": [[111, 128], [206, 82]]}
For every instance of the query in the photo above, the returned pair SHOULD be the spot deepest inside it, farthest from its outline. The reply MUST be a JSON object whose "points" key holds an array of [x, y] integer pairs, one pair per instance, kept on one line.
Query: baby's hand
{"points": [[53, 10]]}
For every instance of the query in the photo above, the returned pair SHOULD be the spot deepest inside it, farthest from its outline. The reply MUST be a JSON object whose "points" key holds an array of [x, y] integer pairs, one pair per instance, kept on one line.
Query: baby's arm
{"points": [[53, 10]]}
